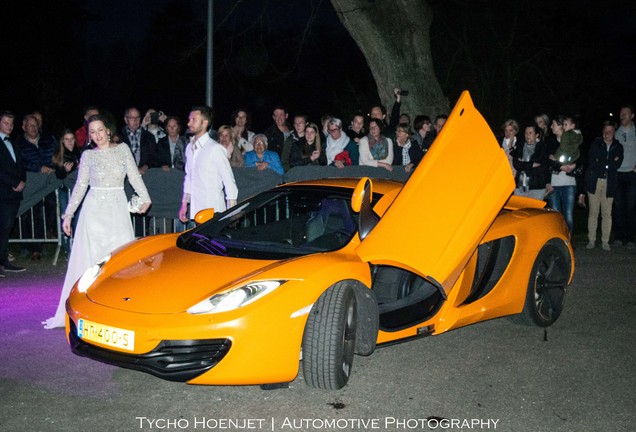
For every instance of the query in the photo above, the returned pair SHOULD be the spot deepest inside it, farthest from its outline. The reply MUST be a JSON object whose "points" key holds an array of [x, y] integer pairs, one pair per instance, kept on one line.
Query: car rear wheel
{"points": [[330, 338], [547, 286]]}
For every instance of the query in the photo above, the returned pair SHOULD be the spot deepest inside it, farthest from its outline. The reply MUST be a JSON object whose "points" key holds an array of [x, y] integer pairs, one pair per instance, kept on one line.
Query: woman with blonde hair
{"points": [[229, 140], [543, 121], [510, 130]]}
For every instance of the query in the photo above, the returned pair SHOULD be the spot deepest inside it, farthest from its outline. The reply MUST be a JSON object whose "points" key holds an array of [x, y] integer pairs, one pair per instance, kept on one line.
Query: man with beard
{"points": [[209, 181]]}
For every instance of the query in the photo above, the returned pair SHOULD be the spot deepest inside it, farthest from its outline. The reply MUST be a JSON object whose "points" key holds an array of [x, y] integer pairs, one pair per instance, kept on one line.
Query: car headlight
{"points": [[235, 298], [91, 274]]}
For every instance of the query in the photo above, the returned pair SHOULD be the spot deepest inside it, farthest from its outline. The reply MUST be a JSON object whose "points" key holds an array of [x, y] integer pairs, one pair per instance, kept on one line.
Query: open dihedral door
{"points": [[445, 208]]}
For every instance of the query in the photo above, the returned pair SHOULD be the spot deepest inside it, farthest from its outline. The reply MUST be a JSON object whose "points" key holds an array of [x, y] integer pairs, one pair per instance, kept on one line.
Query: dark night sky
{"points": [[120, 20], [117, 53], [104, 55]]}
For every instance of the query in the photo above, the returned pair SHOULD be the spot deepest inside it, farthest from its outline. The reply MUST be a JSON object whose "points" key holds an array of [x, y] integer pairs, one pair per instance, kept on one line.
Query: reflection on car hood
{"points": [[149, 284]]}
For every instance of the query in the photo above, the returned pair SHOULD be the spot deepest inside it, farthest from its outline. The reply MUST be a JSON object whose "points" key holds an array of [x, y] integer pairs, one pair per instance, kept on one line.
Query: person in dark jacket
{"points": [[65, 161], [171, 148], [424, 134], [530, 161], [406, 152], [379, 112], [356, 131], [278, 132], [604, 158], [66, 156], [308, 150], [143, 144], [12, 182], [37, 153]]}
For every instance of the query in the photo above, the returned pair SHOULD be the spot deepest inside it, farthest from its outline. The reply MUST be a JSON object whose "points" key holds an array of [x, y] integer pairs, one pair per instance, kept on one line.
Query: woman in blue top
{"points": [[261, 158]]}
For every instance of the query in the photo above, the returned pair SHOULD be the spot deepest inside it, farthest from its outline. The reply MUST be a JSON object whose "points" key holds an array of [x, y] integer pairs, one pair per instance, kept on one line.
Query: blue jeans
{"points": [[181, 227], [562, 200]]}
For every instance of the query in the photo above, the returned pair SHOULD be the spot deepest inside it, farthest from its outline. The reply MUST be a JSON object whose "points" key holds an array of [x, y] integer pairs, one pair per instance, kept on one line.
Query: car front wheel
{"points": [[330, 338], [547, 286]]}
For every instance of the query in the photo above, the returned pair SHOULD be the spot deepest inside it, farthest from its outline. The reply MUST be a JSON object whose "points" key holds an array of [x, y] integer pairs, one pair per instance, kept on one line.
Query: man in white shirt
{"points": [[209, 181]]}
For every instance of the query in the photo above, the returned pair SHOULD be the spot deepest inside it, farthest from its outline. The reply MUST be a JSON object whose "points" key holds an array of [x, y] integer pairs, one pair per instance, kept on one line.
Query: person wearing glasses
{"points": [[341, 150], [261, 158], [142, 143]]}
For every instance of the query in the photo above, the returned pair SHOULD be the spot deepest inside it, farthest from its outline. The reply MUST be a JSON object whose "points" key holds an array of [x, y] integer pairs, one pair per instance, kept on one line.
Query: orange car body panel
{"points": [[449, 200]]}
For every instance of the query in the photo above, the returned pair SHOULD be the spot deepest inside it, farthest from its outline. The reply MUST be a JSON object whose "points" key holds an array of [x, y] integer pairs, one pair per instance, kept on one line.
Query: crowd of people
{"points": [[157, 140], [548, 161], [546, 157]]}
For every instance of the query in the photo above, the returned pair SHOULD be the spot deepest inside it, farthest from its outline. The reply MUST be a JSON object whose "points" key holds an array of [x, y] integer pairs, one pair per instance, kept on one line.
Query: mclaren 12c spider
{"points": [[310, 273]]}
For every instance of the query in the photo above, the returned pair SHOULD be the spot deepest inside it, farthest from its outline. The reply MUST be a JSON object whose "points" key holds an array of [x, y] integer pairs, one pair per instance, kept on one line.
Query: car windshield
{"points": [[278, 224]]}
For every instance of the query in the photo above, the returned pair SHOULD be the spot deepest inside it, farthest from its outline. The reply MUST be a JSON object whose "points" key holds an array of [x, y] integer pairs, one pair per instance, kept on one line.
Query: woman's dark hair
{"points": [[573, 119], [176, 119], [102, 118], [248, 115], [536, 129], [420, 120], [378, 122], [559, 119]]}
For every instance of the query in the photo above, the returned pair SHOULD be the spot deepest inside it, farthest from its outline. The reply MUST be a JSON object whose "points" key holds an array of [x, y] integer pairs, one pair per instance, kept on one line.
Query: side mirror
{"points": [[361, 203], [204, 216], [360, 193]]}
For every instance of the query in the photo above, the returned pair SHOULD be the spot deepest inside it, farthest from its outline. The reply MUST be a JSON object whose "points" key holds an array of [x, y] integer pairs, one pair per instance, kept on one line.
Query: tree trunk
{"points": [[394, 37]]}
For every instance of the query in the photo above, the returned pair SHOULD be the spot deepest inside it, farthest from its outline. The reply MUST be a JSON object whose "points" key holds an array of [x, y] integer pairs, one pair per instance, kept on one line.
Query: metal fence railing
{"points": [[40, 223], [39, 219]]}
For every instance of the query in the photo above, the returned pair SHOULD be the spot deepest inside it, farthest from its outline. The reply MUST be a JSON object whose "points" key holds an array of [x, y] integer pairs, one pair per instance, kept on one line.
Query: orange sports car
{"points": [[313, 272]]}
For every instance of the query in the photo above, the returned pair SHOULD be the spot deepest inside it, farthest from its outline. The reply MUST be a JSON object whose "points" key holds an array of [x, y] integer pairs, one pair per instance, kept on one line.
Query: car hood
{"points": [[171, 280], [439, 217]]}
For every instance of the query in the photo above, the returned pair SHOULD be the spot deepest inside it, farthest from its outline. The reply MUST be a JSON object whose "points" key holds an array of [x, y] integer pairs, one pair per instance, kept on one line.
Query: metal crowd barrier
{"points": [[165, 189], [32, 227]]}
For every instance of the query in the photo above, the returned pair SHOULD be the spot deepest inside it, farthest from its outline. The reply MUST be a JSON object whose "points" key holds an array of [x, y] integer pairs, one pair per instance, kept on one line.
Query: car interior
{"points": [[326, 226], [404, 298]]}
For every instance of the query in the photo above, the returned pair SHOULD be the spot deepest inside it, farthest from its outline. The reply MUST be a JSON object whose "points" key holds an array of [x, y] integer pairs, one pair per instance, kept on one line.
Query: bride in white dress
{"points": [[104, 223]]}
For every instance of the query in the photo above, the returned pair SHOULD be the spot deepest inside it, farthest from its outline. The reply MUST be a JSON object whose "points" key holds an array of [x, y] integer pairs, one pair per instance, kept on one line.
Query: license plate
{"points": [[106, 335]]}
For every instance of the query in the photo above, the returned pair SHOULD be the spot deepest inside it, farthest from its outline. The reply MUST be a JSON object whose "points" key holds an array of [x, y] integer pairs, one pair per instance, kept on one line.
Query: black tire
{"points": [[330, 338], [548, 283]]}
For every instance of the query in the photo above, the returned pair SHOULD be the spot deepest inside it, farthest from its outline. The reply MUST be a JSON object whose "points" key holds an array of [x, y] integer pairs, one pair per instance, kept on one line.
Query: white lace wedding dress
{"points": [[104, 223]]}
